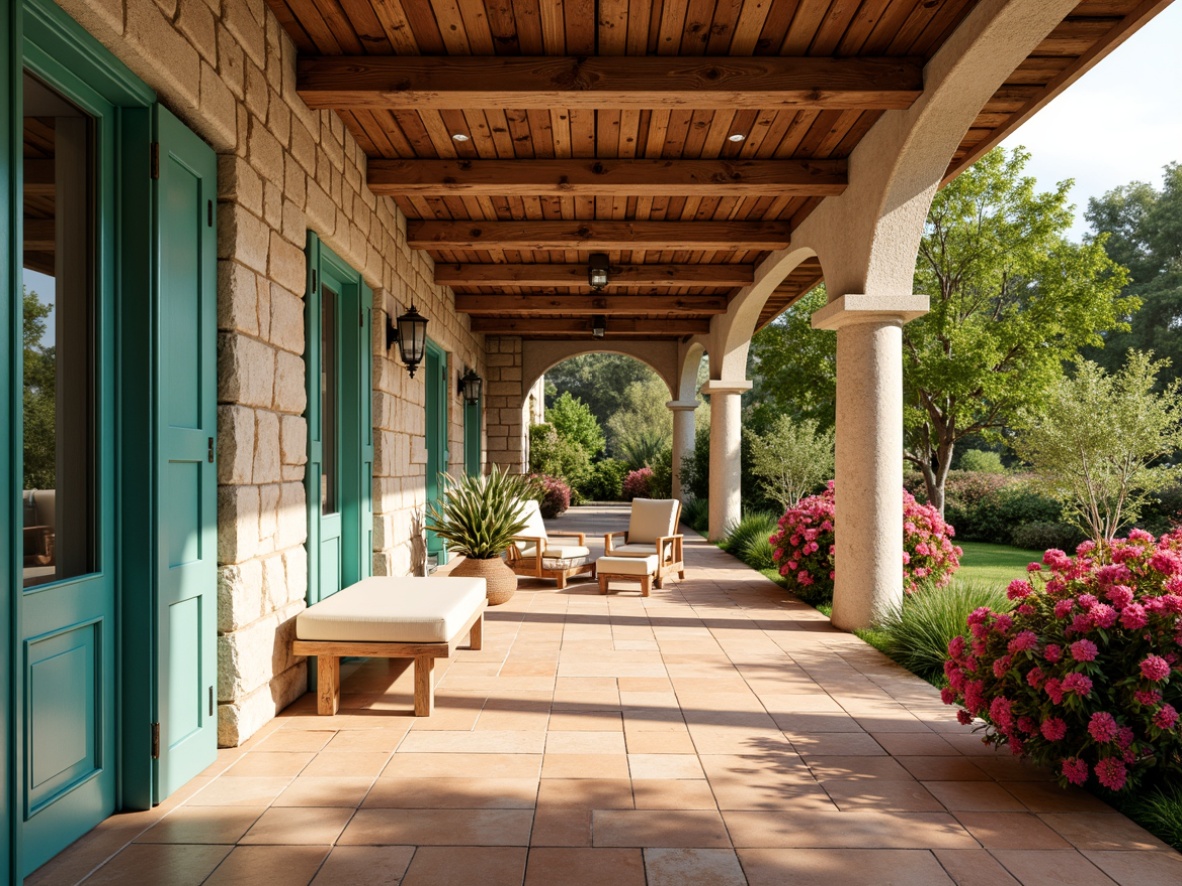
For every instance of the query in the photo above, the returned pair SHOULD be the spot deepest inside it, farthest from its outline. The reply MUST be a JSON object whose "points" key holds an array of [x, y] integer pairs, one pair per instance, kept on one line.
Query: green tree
{"points": [[39, 396], [574, 422], [556, 456], [642, 425], [599, 380], [792, 458], [1011, 300], [1098, 441], [1144, 233]]}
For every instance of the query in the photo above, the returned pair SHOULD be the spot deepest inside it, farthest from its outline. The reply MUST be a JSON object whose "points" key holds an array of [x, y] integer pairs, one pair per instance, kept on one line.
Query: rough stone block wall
{"points": [[503, 397], [227, 69]]}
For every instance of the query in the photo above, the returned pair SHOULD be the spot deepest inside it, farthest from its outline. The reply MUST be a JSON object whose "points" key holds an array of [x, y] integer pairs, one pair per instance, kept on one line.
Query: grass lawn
{"points": [[995, 564]]}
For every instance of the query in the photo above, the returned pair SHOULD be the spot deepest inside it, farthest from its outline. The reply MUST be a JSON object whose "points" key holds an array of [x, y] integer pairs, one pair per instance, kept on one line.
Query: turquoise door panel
{"points": [[436, 442], [186, 489], [472, 438]]}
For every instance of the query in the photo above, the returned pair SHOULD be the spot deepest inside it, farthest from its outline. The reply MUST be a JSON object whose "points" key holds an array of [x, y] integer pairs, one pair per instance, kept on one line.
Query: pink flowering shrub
{"points": [[1084, 674], [554, 495], [804, 543], [638, 484]]}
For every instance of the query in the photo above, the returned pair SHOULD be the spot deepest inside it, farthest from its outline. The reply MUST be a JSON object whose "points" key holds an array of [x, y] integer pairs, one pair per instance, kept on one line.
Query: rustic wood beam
{"points": [[615, 327], [576, 275], [633, 82], [40, 235], [518, 305], [600, 178], [604, 235]]}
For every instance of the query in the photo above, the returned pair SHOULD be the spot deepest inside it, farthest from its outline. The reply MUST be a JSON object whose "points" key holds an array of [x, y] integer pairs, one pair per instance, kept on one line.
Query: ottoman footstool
{"points": [[638, 569]]}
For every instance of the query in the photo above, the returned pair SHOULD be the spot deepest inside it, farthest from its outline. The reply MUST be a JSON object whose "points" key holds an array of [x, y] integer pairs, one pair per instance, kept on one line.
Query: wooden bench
{"points": [[382, 617]]}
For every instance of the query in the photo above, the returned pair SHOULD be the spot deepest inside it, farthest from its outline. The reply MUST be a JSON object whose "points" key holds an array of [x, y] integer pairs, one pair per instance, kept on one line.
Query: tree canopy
{"points": [[40, 397], [599, 380], [642, 426], [573, 421]]}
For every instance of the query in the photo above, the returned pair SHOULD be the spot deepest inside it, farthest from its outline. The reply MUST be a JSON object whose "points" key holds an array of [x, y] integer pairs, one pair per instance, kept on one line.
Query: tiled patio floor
{"points": [[716, 733]]}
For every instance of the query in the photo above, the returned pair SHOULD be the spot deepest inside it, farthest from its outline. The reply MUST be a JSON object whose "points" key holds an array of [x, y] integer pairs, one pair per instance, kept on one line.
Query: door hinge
{"points": [[361, 318], [155, 741], [154, 161], [209, 213], [315, 288], [211, 701], [210, 450]]}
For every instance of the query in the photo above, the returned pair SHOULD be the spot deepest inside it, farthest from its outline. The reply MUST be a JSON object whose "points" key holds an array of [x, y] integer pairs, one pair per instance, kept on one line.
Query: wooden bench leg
{"points": [[424, 685], [645, 585], [328, 684], [602, 583], [476, 635]]}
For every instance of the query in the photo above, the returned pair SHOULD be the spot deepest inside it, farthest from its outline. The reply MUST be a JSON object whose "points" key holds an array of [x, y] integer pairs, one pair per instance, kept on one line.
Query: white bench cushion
{"points": [[635, 550], [559, 552], [626, 565], [383, 609], [652, 518]]}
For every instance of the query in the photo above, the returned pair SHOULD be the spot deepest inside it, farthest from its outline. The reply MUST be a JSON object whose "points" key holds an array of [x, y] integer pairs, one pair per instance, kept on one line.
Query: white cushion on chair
{"points": [[384, 609], [631, 550], [558, 552], [652, 518], [626, 565]]}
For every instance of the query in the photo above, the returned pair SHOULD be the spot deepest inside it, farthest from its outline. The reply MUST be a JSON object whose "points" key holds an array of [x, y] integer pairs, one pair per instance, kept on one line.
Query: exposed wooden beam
{"points": [[615, 327], [599, 178], [576, 275], [663, 235], [634, 82], [518, 305], [40, 235], [39, 178]]}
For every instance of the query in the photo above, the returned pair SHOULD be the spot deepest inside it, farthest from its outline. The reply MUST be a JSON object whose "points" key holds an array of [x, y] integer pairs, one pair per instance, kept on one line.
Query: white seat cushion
{"points": [[558, 552], [626, 565], [634, 550], [652, 518], [394, 610]]}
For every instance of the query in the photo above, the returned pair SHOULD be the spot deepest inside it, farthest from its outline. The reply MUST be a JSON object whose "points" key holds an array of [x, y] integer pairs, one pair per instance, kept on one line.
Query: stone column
{"points": [[869, 468], [683, 438], [726, 420]]}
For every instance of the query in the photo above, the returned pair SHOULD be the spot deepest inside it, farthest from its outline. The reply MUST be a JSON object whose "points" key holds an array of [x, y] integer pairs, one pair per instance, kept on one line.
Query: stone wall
{"points": [[503, 396], [228, 70]]}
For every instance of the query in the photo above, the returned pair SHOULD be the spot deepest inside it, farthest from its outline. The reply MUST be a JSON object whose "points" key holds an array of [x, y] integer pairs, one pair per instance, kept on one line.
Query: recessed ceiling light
{"points": [[736, 137], [460, 137]]}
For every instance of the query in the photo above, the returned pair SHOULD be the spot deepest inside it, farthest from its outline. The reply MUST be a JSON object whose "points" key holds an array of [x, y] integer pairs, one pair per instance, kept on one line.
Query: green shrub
{"points": [[1044, 536], [695, 514], [695, 467], [606, 481], [662, 465], [1159, 811], [917, 635], [555, 456], [759, 554], [981, 461], [753, 527], [990, 507]]}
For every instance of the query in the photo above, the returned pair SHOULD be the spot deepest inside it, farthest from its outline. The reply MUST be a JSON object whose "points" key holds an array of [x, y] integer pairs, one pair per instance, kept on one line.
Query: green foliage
{"points": [[1045, 536], [695, 514], [642, 424], [991, 507], [662, 481], [748, 539], [983, 461], [792, 458], [575, 423], [598, 380], [1011, 299], [555, 456], [1158, 809], [793, 369], [918, 633], [478, 516], [606, 481], [1096, 441], [695, 466], [39, 397], [1143, 230], [995, 564]]}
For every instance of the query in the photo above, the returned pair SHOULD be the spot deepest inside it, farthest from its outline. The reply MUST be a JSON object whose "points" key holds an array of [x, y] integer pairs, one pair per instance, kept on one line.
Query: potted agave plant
{"points": [[479, 517]]}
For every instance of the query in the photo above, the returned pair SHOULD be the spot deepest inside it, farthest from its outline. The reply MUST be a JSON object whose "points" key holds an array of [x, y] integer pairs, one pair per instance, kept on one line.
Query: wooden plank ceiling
{"points": [[684, 138]]}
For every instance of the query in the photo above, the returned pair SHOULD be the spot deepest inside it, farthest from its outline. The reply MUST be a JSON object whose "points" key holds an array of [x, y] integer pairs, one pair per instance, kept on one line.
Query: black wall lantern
{"points": [[409, 332], [598, 326], [470, 386], [597, 270]]}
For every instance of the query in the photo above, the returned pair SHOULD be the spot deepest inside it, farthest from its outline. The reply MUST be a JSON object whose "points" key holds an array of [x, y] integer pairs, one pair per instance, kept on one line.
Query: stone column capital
{"points": [[855, 308], [682, 405], [715, 386]]}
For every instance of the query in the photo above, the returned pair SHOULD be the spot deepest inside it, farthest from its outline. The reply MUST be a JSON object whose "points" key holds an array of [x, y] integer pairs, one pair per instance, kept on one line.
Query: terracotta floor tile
{"points": [[943, 768], [825, 768], [974, 867], [584, 867], [297, 740], [438, 827], [444, 793], [584, 742], [313, 791], [1047, 796], [349, 764], [463, 766], [1140, 868], [481, 742], [915, 744], [1010, 830], [586, 721], [170, 865], [665, 766], [847, 830], [741, 792], [693, 867], [974, 796], [364, 866], [659, 743], [525, 719], [561, 826], [383, 740], [835, 744], [725, 740], [257, 865], [484, 865], [659, 828], [673, 793], [1064, 867], [852, 867], [298, 826], [261, 764], [203, 824], [882, 794], [586, 793], [244, 791], [1101, 831], [585, 766], [899, 721]]}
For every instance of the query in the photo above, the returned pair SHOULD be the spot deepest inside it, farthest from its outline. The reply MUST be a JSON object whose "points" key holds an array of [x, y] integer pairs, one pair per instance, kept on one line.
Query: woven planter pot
{"points": [[499, 579]]}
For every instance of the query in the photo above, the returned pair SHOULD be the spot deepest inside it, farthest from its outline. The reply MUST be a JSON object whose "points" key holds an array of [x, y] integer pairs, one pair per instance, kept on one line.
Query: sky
{"points": [[1119, 122]]}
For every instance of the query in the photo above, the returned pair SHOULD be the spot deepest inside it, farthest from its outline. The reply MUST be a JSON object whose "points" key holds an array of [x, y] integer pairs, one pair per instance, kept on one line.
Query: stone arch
{"points": [[689, 358], [538, 357]]}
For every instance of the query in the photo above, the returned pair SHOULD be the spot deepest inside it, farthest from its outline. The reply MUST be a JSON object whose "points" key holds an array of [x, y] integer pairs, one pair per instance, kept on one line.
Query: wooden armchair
{"points": [[652, 529], [534, 554]]}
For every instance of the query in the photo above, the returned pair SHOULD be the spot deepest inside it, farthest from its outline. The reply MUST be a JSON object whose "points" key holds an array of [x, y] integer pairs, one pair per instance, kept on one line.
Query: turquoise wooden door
{"points": [[186, 488], [435, 370], [472, 438], [339, 476]]}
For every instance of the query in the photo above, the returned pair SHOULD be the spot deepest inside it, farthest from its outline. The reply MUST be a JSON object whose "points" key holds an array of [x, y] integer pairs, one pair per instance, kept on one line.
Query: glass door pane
{"points": [[328, 400]]}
